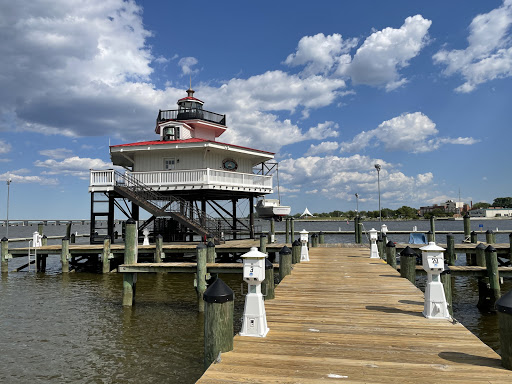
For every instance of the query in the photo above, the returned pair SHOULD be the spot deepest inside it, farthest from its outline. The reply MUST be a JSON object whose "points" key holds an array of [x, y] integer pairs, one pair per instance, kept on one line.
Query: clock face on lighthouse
{"points": [[229, 164]]}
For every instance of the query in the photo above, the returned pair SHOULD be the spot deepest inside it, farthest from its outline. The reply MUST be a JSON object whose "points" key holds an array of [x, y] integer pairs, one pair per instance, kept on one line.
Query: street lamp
{"points": [[377, 167], [9, 180], [357, 203]]}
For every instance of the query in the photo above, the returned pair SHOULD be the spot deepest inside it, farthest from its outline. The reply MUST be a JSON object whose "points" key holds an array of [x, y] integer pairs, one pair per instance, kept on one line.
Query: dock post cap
{"points": [[467, 216], [268, 264], [5, 239], [159, 236], [490, 249], [130, 221], [504, 303], [44, 237], [263, 236], [489, 231], [446, 270], [210, 244], [480, 246], [321, 232], [408, 251], [296, 243], [473, 232], [105, 238], [390, 244], [285, 251], [314, 235], [201, 246], [65, 238], [218, 292]]}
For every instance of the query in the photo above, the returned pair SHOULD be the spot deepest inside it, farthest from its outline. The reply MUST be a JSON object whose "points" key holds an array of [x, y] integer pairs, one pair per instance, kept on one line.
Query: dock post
{"points": [[201, 275], [446, 279], [480, 255], [210, 252], [408, 264], [272, 231], [433, 228], [490, 237], [467, 226], [72, 238], [64, 255], [218, 321], [430, 236], [292, 228], [68, 230], [381, 247], [504, 308], [285, 262], [296, 252], [314, 240], [391, 254], [473, 237], [321, 238], [4, 252], [105, 261], [40, 228], [491, 259], [159, 243], [268, 285], [42, 264], [130, 257], [450, 249], [287, 231], [356, 229], [263, 244]]}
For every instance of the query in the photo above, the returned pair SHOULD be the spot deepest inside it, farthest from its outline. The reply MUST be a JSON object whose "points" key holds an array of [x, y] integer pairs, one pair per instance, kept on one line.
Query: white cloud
{"points": [[378, 60], [74, 166], [319, 53], [18, 176], [58, 153], [161, 60], [489, 52], [409, 132], [4, 147], [186, 64], [324, 147], [336, 177]]}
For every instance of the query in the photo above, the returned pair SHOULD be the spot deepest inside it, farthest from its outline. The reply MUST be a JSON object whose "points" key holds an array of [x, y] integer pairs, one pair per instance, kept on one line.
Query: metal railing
{"points": [[190, 114]]}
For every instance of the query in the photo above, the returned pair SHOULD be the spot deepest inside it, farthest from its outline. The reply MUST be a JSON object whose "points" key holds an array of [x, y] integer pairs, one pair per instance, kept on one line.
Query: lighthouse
{"points": [[190, 183]]}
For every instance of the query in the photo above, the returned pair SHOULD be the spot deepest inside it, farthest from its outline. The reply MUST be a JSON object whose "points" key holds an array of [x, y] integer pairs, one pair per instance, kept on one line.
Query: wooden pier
{"points": [[343, 317]]}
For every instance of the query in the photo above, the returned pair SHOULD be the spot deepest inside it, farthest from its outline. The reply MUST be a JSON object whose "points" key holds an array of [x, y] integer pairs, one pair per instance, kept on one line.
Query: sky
{"points": [[421, 88]]}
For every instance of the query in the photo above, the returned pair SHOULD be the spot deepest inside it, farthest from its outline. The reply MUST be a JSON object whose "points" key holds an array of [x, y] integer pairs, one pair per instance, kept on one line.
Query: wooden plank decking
{"points": [[343, 317]]}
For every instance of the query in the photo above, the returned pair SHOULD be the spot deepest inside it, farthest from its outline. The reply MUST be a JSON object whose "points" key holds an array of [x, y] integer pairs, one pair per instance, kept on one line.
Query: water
{"points": [[73, 328]]}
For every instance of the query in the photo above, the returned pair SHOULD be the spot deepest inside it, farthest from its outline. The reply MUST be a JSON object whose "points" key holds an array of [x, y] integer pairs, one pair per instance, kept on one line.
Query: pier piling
{"points": [[130, 257], [490, 237], [491, 259], [287, 231], [446, 279], [408, 264], [4, 252], [105, 260], [504, 308], [433, 228], [285, 262], [296, 251], [159, 242], [467, 226], [218, 321], [450, 249], [263, 244], [268, 285], [321, 238], [292, 229], [201, 275], [64, 255], [210, 252], [391, 254]]}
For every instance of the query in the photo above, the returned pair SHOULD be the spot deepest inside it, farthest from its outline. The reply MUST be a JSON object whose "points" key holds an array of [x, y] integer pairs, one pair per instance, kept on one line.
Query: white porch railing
{"points": [[186, 177]]}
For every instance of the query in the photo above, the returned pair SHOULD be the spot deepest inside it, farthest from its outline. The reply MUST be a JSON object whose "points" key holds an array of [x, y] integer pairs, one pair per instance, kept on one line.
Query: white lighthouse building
{"points": [[180, 175]]}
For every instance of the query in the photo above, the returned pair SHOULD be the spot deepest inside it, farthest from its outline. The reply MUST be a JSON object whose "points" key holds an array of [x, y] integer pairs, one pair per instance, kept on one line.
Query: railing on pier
{"points": [[184, 177], [191, 114]]}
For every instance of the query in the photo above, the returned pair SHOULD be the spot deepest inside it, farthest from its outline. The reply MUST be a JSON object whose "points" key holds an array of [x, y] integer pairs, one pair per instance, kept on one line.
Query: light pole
{"points": [[7, 218], [377, 167], [357, 203]]}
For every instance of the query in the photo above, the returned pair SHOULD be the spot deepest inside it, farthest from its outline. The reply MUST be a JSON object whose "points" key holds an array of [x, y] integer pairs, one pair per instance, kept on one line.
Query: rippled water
{"points": [[73, 328]]}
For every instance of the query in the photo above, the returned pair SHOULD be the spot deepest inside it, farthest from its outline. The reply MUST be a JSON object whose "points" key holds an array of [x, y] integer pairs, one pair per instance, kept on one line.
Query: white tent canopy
{"points": [[306, 213]]}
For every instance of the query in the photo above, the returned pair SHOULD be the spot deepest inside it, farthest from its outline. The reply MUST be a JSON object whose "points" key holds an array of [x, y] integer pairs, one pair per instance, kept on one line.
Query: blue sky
{"points": [[423, 88]]}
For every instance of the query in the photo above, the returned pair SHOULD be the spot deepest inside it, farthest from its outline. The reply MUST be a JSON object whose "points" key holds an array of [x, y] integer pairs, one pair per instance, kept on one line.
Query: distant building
{"points": [[492, 212], [450, 206]]}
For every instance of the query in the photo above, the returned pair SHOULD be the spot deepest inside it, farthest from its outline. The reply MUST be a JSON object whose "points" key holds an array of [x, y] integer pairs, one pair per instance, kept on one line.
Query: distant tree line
{"points": [[406, 212]]}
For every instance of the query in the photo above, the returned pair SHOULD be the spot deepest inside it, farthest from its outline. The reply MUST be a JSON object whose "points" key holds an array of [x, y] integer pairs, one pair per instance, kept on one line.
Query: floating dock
{"points": [[343, 317]]}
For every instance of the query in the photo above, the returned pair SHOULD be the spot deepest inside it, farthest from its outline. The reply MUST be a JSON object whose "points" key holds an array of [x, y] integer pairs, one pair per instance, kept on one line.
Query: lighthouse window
{"points": [[169, 163], [171, 133]]}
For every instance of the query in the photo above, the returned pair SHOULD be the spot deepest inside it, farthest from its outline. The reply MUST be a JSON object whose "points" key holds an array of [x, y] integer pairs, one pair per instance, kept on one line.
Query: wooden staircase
{"points": [[160, 205]]}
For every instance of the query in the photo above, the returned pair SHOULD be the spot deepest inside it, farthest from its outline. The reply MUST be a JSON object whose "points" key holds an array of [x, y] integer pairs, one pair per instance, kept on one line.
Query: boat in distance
{"points": [[272, 208]]}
